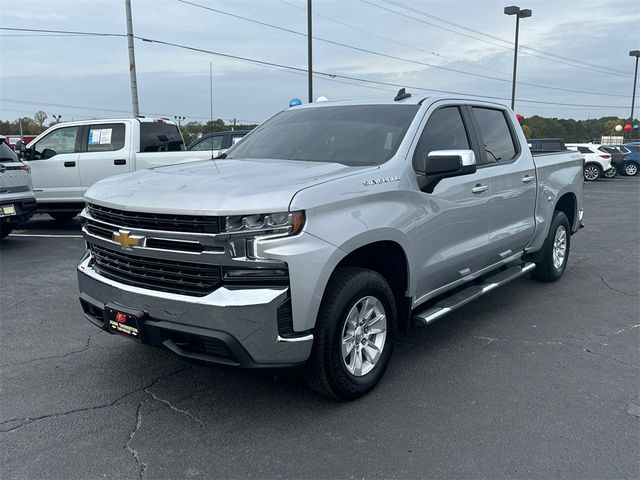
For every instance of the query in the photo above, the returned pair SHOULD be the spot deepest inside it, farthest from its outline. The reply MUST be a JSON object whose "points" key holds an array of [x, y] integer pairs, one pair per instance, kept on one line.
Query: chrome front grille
{"points": [[172, 276], [156, 221]]}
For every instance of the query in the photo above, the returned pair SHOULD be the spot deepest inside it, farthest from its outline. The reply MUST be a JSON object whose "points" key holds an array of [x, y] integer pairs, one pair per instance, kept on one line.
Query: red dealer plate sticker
{"points": [[124, 323]]}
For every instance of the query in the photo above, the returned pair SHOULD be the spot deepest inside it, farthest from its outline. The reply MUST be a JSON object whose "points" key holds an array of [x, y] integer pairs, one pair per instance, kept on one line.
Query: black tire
{"points": [[5, 229], [631, 169], [546, 270], [326, 371], [63, 216], [591, 172], [611, 172]]}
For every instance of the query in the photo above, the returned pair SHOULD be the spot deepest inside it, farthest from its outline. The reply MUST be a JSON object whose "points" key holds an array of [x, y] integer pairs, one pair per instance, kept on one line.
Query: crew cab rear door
{"points": [[105, 152], [452, 241], [513, 182]]}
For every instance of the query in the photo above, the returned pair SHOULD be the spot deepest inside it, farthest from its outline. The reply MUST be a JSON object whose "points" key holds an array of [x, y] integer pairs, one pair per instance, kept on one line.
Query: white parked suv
{"points": [[596, 163]]}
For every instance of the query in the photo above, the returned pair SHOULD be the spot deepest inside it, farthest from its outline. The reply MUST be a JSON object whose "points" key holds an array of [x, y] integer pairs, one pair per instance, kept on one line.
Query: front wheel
{"points": [[591, 172], [631, 169], [555, 251], [612, 172], [354, 334]]}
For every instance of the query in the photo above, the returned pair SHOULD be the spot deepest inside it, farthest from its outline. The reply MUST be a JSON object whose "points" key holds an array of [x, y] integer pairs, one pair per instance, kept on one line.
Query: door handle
{"points": [[528, 178], [120, 161], [480, 188], [70, 164]]}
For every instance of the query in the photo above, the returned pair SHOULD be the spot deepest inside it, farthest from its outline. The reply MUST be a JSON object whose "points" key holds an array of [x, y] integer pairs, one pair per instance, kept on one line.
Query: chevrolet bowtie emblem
{"points": [[126, 240]]}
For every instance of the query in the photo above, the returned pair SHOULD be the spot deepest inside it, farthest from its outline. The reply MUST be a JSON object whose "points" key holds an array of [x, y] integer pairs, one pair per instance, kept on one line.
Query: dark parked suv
{"points": [[17, 202]]}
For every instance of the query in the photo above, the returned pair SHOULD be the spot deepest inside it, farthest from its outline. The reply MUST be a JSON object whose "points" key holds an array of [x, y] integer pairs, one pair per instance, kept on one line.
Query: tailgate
{"points": [[13, 178]]}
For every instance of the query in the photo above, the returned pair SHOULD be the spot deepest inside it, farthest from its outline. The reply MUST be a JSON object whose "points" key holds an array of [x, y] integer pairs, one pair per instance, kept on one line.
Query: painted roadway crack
{"points": [[133, 451], [622, 292], [573, 344], [175, 409], [85, 347], [28, 420]]}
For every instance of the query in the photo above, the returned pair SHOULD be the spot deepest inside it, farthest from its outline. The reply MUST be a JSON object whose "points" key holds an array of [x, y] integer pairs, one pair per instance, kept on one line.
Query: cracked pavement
{"points": [[531, 381]]}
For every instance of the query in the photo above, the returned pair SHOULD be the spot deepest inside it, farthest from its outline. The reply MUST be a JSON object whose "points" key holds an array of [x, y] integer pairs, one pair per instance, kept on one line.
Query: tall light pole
{"points": [[309, 51], [519, 13], [634, 53], [132, 61]]}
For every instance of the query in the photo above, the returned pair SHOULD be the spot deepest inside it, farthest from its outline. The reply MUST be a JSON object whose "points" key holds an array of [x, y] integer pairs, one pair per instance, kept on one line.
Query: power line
{"points": [[348, 77], [111, 110], [298, 69], [394, 57], [437, 54], [508, 42], [71, 32], [579, 65]]}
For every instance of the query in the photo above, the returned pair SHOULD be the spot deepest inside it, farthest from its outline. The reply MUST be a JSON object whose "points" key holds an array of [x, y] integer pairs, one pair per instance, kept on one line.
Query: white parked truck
{"points": [[68, 158]]}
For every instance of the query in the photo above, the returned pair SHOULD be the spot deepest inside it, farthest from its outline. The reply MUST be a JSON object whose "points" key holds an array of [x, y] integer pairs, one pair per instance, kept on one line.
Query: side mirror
{"points": [[21, 149], [48, 153], [445, 164]]}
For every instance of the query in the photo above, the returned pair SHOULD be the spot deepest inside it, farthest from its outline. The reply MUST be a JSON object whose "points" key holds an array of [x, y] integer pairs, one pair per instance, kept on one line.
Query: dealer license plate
{"points": [[124, 323]]}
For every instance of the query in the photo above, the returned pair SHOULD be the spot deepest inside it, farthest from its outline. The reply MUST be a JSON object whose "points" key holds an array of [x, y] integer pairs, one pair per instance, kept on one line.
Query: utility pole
{"points": [[132, 62], [309, 51]]}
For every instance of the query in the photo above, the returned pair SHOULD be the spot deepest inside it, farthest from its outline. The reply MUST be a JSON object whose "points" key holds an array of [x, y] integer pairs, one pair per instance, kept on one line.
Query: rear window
{"points": [[585, 150], [7, 154], [160, 137], [209, 143], [350, 135], [105, 137], [496, 135]]}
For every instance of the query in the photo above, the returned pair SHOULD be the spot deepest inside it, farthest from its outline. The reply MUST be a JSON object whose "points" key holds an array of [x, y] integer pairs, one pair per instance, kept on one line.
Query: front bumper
{"points": [[232, 327]]}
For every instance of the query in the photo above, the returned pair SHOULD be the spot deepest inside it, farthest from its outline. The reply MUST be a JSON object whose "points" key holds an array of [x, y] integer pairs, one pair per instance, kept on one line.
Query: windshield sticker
{"points": [[100, 136]]}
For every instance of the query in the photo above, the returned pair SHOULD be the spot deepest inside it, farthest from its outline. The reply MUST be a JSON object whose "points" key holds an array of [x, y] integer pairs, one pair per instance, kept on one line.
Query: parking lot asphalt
{"points": [[531, 381]]}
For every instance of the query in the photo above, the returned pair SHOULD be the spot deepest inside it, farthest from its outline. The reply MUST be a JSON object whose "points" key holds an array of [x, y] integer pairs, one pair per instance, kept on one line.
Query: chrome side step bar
{"points": [[457, 300]]}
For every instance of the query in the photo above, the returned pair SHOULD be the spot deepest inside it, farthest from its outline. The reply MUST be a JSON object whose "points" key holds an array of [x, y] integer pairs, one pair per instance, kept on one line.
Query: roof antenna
{"points": [[402, 94]]}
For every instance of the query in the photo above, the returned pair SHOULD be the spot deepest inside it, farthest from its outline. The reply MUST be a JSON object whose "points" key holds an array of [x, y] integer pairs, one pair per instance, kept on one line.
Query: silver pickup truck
{"points": [[327, 229]]}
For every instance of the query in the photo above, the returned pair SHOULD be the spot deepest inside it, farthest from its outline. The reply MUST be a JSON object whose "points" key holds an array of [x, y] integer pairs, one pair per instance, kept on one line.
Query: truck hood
{"points": [[223, 187]]}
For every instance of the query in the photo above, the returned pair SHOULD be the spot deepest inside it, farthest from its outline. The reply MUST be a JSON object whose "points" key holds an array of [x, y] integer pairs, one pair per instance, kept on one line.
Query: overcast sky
{"points": [[85, 76]]}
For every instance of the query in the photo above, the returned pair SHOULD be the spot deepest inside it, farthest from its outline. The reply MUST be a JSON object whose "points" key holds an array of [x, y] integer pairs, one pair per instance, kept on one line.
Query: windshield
{"points": [[350, 135]]}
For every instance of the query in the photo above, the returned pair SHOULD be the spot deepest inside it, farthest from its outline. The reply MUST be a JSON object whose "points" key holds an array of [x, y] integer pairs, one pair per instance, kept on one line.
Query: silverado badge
{"points": [[126, 240]]}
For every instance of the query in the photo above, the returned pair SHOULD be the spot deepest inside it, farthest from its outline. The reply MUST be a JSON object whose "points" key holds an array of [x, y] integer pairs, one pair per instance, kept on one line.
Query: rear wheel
{"points": [[611, 173], [631, 169], [555, 250], [63, 216], [591, 172], [354, 334], [5, 229]]}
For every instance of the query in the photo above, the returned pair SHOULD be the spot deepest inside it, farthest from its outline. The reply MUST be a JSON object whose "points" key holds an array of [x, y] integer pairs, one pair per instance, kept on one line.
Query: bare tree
{"points": [[39, 117]]}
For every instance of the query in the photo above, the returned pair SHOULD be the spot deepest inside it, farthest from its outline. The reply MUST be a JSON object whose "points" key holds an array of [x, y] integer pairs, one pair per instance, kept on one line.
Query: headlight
{"points": [[289, 223]]}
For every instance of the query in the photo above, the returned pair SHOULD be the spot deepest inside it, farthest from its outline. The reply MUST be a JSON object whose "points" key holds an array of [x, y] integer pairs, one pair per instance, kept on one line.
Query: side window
{"points": [[61, 140], [444, 131], [584, 150], [106, 137], [235, 139], [496, 135], [211, 143], [160, 137]]}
